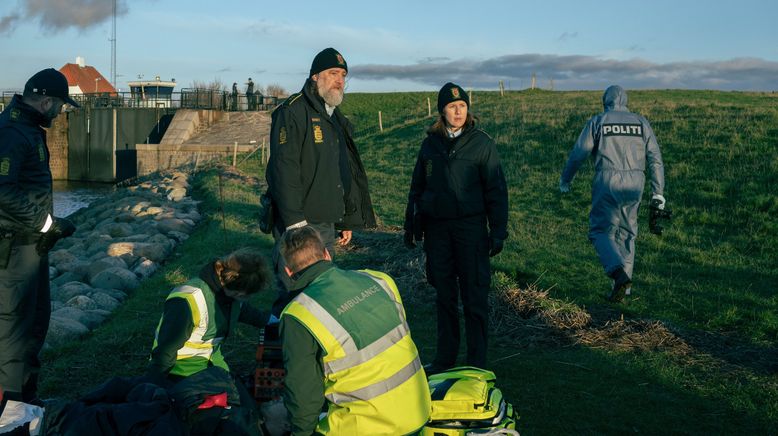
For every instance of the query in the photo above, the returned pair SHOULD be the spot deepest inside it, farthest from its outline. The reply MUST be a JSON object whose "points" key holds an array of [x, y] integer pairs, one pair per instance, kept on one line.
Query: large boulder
{"points": [[156, 251], [150, 211], [104, 301], [145, 268], [97, 243], [59, 257], [123, 250], [67, 277], [175, 224], [176, 194], [62, 330], [103, 264], [88, 318], [119, 230], [115, 278], [115, 293], [67, 291], [82, 302]]}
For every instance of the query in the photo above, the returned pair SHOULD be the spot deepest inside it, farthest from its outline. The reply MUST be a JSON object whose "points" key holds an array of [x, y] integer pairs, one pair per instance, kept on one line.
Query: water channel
{"points": [[71, 196]]}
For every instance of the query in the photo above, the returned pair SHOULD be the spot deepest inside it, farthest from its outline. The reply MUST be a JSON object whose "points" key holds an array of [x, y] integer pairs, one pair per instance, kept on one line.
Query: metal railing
{"points": [[187, 98]]}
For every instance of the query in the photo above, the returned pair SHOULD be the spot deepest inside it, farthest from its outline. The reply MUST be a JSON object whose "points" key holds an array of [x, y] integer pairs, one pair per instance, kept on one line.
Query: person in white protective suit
{"points": [[621, 144]]}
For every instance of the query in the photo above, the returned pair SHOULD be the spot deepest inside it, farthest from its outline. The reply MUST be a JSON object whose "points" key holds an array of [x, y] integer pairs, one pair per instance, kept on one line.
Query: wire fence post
{"points": [[429, 108], [380, 123], [235, 155]]}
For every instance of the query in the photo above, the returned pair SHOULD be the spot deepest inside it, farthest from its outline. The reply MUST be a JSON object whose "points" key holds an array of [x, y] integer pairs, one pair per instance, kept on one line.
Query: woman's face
{"points": [[455, 114]]}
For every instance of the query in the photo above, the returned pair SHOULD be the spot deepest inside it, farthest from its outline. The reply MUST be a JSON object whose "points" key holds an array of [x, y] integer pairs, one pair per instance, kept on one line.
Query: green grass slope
{"points": [[694, 352]]}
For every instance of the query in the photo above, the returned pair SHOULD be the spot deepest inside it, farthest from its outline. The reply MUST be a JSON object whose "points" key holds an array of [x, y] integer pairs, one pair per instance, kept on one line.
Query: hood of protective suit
{"points": [[615, 98]]}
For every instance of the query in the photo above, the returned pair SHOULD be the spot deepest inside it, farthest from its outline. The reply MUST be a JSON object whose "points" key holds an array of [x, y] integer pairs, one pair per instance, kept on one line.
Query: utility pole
{"points": [[113, 47]]}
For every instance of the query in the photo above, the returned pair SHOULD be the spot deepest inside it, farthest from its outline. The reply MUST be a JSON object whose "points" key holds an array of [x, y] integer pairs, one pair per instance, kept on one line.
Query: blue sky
{"points": [[404, 45]]}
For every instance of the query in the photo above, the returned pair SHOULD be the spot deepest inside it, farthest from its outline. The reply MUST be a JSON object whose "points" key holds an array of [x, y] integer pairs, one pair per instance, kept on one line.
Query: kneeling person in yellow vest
{"points": [[199, 315], [346, 341]]}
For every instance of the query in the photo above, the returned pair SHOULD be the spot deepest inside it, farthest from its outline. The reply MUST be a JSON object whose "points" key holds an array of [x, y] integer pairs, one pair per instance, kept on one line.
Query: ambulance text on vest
{"points": [[351, 302]]}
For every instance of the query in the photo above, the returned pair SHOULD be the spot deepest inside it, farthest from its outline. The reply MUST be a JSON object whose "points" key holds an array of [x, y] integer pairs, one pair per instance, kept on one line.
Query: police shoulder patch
{"points": [[5, 166], [282, 135]]}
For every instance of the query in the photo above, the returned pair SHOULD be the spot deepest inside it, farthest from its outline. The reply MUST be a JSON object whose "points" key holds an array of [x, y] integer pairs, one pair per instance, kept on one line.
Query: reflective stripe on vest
{"points": [[195, 345], [379, 388], [341, 335]]}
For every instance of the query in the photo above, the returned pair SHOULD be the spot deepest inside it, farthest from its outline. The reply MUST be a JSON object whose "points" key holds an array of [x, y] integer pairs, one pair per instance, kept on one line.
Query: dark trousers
{"points": [[458, 266], [282, 279], [25, 309]]}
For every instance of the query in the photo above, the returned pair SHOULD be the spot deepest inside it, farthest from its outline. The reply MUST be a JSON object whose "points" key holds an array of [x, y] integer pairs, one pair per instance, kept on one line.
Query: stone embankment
{"points": [[119, 241]]}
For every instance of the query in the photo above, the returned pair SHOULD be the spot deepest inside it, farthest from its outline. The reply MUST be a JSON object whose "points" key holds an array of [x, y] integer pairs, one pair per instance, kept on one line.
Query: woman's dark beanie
{"points": [[326, 59], [451, 92]]}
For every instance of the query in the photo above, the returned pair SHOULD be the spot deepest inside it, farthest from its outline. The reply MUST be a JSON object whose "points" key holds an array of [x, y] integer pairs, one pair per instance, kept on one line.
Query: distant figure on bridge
{"points": [[28, 230], [234, 102], [250, 94], [315, 175], [621, 143]]}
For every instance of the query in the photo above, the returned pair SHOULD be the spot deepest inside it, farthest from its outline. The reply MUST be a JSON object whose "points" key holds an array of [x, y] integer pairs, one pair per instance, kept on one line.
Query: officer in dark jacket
{"points": [[27, 231], [458, 202], [315, 175]]}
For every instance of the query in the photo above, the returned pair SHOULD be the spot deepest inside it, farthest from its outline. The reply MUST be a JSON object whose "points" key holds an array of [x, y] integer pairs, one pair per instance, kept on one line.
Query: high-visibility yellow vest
{"points": [[203, 346], [373, 379]]}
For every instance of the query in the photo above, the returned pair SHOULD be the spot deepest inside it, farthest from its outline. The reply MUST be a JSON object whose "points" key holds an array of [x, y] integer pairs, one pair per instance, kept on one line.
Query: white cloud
{"points": [[57, 15], [583, 72]]}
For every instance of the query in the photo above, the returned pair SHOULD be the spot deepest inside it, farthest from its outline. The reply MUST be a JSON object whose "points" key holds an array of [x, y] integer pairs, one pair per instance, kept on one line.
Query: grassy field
{"points": [[693, 352]]}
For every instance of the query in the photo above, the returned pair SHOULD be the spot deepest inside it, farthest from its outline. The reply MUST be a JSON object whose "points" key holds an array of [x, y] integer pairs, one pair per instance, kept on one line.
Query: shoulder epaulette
{"points": [[292, 98], [289, 100]]}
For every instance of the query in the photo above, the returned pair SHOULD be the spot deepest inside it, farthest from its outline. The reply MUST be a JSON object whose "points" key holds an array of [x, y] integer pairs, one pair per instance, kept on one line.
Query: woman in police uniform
{"points": [[458, 203]]}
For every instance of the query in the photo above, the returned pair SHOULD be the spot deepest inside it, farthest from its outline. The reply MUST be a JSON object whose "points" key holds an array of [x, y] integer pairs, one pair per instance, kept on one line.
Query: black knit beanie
{"points": [[451, 92], [326, 59]]}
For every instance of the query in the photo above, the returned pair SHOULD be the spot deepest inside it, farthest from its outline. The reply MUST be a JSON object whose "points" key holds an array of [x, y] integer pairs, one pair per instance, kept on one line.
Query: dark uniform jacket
{"points": [[25, 179], [457, 178], [315, 172]]}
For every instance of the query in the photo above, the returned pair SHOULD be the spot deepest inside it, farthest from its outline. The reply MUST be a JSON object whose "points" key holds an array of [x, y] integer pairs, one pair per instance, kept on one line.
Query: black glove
{"points": [[408, 240], [61, 228], [655, 215], [495, 246]]}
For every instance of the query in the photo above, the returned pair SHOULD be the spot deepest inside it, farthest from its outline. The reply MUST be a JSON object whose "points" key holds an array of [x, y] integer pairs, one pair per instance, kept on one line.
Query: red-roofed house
{"points": [[84, 79]]}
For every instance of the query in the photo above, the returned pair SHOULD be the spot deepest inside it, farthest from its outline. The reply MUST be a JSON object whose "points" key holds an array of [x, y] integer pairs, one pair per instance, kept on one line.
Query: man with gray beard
{"points": [[315, 175]]}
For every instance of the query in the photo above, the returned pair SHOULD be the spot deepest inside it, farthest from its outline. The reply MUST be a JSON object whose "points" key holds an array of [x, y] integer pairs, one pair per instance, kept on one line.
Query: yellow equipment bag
{"points": [[465, 402]]}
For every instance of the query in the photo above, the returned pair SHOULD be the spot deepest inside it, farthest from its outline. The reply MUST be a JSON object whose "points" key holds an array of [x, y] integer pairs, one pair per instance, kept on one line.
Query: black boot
{"points": [[621, 282]]}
